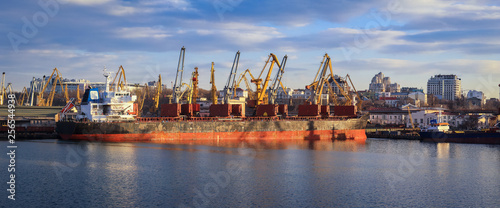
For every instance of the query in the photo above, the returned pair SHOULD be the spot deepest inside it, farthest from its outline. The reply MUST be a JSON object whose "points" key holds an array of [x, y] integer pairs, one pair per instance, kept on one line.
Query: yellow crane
{"points": [[58, 78], [24, 93], [411, 119], [78, 98], [8, 89], [156, 98], [360, 102], [249, 88], [2, 89], [261, 88], [213, 92], [187, 90], [332, 92], [194, 91], [140, 101], [317, 85], [121, 83]]}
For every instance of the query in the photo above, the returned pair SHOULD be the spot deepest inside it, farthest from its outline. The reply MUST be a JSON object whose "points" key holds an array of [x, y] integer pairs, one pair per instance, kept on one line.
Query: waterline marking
{"points": [[11, 124]]}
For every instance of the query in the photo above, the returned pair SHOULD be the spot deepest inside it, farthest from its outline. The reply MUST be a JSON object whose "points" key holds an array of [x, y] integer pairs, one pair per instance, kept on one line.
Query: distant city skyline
{"points": [[409, 41]]}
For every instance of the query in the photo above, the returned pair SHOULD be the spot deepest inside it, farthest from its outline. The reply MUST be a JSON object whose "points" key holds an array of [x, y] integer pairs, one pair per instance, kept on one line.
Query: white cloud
{"points": [[142, 32], [85, 2]]}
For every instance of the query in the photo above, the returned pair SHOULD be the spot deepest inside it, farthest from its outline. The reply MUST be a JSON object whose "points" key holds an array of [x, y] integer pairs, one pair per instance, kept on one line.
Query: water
{"points": [[379, 173]]}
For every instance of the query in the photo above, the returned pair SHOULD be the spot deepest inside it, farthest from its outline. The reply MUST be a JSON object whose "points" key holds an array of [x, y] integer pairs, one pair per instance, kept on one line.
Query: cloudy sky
{"points": [[407, 40]]}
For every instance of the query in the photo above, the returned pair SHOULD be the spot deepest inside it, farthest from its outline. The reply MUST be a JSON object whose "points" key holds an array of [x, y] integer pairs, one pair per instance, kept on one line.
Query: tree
{"points": [[470, 123]]}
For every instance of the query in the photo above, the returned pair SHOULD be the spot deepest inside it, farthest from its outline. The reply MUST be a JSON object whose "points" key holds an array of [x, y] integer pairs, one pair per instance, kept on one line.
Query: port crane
{"points": [[24, 94], [249, 88], [156, 98], [213, 91], [50, 98], [231, 80], [273, 91], [360, 102], [120, 83], [141, 98], [319, 80], [2, 89], [261, 87], [194, 91], [177, 93], [78, 98]]}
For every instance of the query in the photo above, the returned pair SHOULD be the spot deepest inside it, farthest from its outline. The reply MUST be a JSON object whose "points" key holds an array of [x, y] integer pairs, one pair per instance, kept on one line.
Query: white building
{"points": [[418, 96], [476, 94], [380, 83], [446, 87]]}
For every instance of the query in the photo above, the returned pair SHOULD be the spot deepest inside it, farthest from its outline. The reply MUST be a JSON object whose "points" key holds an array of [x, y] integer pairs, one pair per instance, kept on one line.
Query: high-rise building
{"points": [[383, 84], [446, 87]]}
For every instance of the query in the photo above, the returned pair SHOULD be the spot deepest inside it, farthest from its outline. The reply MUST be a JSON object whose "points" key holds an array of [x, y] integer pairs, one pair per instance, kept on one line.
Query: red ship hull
{"points": [[167, 130], [357, 135]]}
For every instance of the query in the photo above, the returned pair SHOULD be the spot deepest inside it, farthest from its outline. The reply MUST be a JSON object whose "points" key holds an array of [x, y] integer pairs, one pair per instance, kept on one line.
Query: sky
{"points": [[407, 40]]}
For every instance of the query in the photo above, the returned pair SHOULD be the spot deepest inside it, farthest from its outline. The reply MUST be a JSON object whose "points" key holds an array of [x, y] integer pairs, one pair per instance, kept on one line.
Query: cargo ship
{"points": [[111, 116]]}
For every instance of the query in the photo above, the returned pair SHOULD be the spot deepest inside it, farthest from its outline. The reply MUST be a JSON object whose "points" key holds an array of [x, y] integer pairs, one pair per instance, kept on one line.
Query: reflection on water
{"points": [[252, 173], [443, 150]]}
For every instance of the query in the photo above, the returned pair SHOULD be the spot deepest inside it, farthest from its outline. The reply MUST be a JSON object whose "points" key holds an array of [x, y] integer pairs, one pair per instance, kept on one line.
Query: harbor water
{"points": [[377, 173]]}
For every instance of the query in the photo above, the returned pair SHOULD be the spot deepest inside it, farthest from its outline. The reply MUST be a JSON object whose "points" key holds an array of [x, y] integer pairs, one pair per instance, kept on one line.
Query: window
{"points": [[94, 95], [416, 121], [422, 120]]}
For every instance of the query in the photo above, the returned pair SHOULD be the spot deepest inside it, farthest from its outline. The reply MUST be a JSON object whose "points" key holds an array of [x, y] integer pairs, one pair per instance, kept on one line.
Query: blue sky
{"points": [[408, 40]]}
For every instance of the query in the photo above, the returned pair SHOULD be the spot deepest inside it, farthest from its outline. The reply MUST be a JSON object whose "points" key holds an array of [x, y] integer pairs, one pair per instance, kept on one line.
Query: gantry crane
{"points": [[213, 92], [261, 87], [121, 83]]}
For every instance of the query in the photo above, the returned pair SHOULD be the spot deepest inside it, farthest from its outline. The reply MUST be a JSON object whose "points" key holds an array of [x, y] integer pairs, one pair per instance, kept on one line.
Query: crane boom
{"points": [[261, 90], [360, 102], [2, 89], [231, 80], [277, 81], [120, 84], [214, 88], [195, 85], [243, 77], [156, 98], [177, 93]]}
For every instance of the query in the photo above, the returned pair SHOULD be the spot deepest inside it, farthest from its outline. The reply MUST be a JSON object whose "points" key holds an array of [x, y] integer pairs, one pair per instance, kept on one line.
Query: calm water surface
{"points": [[378, 173]]}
